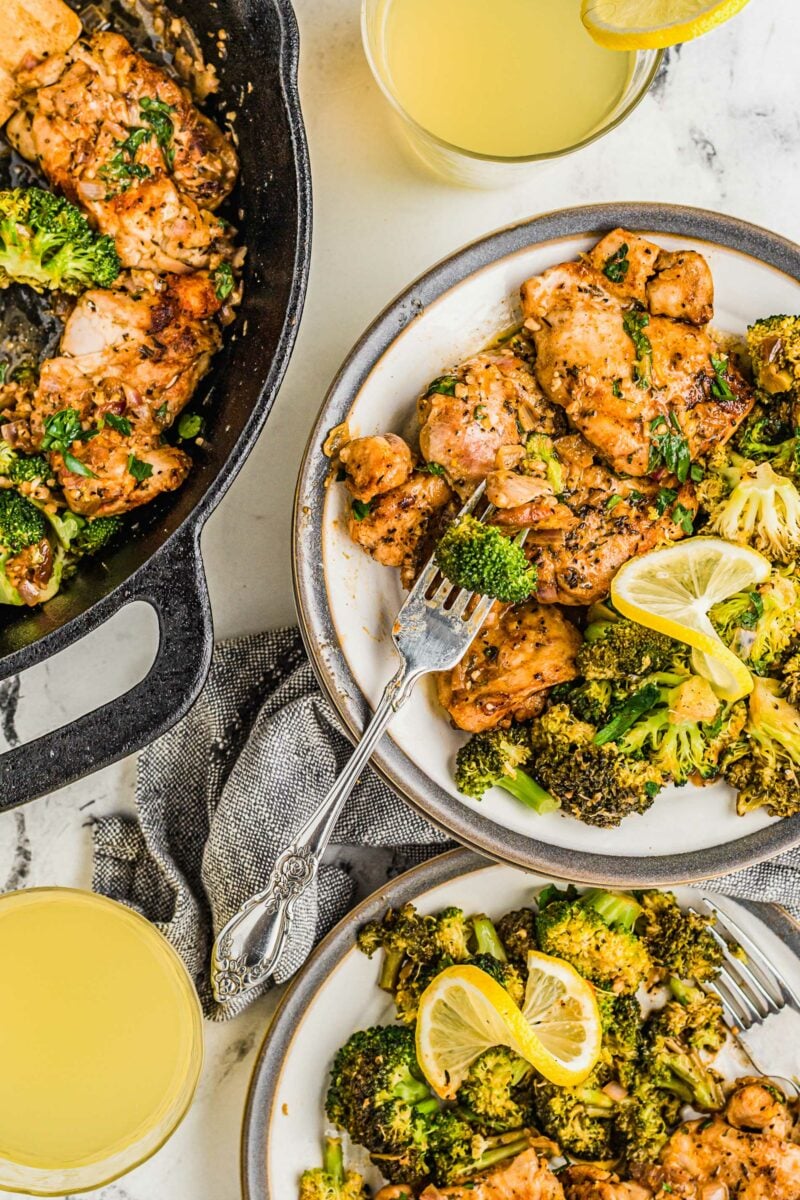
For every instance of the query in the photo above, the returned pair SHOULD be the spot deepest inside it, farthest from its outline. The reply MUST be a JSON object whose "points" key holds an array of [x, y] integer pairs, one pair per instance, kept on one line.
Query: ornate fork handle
{"points": [[249, 947]]}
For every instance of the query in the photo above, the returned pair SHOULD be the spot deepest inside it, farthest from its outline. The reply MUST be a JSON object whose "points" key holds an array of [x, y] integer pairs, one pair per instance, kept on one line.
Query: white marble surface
{"points": [[720, 129]]}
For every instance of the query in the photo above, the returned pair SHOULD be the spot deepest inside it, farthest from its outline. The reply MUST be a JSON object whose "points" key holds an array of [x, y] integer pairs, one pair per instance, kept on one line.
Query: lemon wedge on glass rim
{"points": [[464, 1012], [671, 591], [653, 24]]}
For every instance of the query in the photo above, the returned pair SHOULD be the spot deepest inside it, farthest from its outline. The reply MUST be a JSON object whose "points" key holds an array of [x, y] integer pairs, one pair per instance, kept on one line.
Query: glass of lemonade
{"points": [[485, 88], [100, 1040]]}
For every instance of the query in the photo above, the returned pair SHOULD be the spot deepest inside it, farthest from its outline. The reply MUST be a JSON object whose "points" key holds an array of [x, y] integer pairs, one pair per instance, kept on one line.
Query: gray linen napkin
{"points": [[221, 794]]}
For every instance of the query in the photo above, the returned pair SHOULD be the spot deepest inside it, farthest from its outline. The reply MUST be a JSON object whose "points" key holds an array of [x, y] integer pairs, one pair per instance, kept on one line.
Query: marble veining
{"points": [[720, 128]]}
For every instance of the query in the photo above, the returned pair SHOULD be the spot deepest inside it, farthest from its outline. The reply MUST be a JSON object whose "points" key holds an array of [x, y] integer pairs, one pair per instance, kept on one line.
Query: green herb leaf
{"points": [[616, 388], [162, 412], [121, 168], [628, 714], [669, 447], [617, 265], [223, 280], [76, 466], [664, 497], [719, 384], [697, 473], [189, 426], [750, 619], [138, 469], [612, 502], [155, 113], [479, 412], [684, 518], [634, 323], [432, 468], [361, 509], [120, 424], [445, 385]]}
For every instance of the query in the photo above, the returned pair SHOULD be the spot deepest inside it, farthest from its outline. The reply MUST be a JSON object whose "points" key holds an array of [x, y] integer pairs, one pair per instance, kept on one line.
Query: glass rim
{"points": [[543, 156], [197, 1055]]}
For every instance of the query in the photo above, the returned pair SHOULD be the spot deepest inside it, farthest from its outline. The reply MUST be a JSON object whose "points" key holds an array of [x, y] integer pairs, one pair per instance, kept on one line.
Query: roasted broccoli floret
{"points": [[21, 523], [26, 468], [331, 1181], [378, 1095], [595, 783], [481, 559], [621, 1020], [459, 1152], [671, 1064], [402, 934], [774, 345], [93, 536], [696, 1016], [26, 552], [46, 242], [762, 510], [541, 452], [766, 770], [770, 434], [496, 1092], [595, 934], [618, 649], [589, 700], [643, 1121], [517, 932], [790, 675], [760, 625], [494, 758], [491, 957], [578, 1118], [684, 732], [680, 942], [453, 932]]}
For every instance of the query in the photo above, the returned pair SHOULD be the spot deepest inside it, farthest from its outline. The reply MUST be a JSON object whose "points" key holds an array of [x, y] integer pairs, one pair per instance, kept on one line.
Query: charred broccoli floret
{"points": [[644, 1120], [453, 932], [760, 625], [578, 1118], [680, 942], [496, 1092], [46, 242], [93, 536], [790, 675], [766, 769], [695, 1016], [762, 510], [589, 700], [615, 648], [621, 1020], [459, 1152], [495, 758], [331, 1181], [517, 932], [378, 1095], [595, 783], [771, 435], [491, 957], [402, 934], [595, 933], [774, 345], [479, 558], [672, 1065]]}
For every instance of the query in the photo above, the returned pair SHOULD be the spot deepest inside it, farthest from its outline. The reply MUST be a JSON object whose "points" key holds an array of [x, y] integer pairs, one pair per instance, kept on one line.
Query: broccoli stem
{"points": [[616, 908], [597, 1103], [498, 1152], [487, 939], [390, 969], [333, 1160], [684, 993], [529, 792]]}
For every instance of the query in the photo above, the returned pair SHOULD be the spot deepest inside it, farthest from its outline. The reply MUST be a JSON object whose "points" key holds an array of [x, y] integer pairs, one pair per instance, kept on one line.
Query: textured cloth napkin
{"points": [[221, 795]]}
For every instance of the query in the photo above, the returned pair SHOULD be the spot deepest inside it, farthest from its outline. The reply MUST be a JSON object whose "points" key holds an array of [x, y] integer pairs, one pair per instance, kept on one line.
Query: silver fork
{"points": [[432, 632], [751, 990]]}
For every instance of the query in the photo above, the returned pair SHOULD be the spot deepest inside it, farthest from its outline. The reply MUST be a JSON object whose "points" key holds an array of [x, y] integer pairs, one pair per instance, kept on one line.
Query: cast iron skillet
{"points": [[161, 564]]}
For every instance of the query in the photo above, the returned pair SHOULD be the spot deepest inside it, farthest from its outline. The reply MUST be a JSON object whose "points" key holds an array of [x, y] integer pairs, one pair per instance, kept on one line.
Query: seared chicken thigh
{"points": [[396, 529], [627, 377], [374, 465], [118, 136], [587, 1182], [520, 652], [527, 1177]]}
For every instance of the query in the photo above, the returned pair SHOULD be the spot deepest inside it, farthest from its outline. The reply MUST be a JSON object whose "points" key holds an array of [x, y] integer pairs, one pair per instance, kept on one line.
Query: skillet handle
{"points": [[174, 585]]}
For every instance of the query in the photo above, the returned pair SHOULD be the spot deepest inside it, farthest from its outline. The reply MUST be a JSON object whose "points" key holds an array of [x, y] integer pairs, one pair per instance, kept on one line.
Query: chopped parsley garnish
{"points": [[432, 468], [360, 509], [668, 447], [223, 280], [612, 502], [162, 412], [683, 517], [617, 265], [119, 424], [749, 619], [479, 412], [60, 431], [122, 168], [665, 497], [697, 473], [190, 426], [616, 388], [635, 497], [634, 323], [719, 384], [155, 113], [138, 469], [445, 385]]}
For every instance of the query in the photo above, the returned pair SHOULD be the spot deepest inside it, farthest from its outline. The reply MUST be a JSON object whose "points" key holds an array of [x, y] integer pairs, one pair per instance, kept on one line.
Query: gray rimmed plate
{"points": [[347, 602], [336, 993]]}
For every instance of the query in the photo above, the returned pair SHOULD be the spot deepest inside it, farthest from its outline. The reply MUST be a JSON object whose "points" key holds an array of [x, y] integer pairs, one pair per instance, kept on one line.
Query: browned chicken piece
{"points": [[756, 1104], [374, 465], [602, 522], [610, 255], [527, 1177], [137, 353], [682, 287], [398, 524], [586, 1182], [118, 136], [752, 1165], [520, 652], [494, 398], [125, 472], [623, 397]]}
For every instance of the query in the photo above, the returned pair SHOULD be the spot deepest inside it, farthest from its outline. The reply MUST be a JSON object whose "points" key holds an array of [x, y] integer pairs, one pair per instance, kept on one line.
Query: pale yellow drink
{"points": [[100, 1042], [504, 78]]}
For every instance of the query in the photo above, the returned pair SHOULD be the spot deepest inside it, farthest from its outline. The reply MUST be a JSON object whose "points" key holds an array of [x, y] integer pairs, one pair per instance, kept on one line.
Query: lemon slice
{"points": [[464, 1012], [671, 590], [653, 24]]}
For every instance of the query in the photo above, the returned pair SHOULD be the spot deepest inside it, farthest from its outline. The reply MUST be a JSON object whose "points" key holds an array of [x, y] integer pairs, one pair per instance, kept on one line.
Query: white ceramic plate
{"points": [[337, 993], [347, 601]]}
